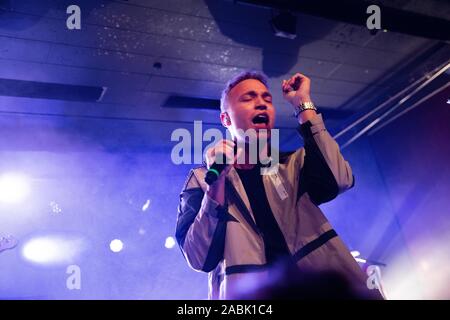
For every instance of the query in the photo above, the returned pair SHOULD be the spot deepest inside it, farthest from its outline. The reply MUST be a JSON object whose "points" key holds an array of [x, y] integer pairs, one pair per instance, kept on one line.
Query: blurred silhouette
{"points": [[287, 282]]}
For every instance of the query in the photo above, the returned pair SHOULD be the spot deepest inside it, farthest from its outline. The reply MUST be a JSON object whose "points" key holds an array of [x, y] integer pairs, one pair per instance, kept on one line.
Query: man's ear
{"points": [[225, 119]]}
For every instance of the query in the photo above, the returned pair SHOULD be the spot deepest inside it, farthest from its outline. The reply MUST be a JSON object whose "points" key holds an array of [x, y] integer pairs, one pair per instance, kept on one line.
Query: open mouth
{"points": [[261, 118]]}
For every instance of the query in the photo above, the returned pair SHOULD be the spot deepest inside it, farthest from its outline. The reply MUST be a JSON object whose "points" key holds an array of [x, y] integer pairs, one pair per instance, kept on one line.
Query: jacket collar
{"points": [[236, 189]]}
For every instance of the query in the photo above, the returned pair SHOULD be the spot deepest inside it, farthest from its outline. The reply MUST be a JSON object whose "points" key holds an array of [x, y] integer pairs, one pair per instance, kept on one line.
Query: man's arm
{"points": [[201, 226], [324, 173]]}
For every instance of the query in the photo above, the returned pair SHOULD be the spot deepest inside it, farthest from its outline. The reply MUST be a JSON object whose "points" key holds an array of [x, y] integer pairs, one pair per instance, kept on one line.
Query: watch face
{"points": [[302, 107]]}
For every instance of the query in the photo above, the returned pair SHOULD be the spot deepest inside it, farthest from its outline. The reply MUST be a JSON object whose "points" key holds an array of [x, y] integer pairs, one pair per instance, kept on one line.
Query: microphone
{"points": [[216, 168]]}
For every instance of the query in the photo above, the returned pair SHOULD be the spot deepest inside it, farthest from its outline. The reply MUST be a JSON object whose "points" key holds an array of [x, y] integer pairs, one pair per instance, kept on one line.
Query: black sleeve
{"points": [[316, 178]]}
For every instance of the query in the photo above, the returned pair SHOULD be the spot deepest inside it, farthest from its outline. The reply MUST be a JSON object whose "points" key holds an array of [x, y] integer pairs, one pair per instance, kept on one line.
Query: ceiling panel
{"points": [[199, 45], [70, 75]]}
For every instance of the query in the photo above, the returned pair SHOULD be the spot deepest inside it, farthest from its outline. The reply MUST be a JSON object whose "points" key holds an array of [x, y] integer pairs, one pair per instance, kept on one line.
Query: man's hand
{"points": [[297, 89], [224, 148]]}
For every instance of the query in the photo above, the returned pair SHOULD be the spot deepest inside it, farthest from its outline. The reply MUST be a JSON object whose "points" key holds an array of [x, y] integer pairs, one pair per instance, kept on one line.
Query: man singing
{"points": [[245, 222]]}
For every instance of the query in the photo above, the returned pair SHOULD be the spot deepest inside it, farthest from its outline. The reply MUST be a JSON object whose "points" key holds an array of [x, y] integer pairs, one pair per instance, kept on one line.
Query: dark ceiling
{"points": [[146, 51]]}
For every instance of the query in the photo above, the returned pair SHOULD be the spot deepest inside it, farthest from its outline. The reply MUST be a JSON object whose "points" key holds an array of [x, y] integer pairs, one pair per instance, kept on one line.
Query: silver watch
{"points": [[308, 105]]}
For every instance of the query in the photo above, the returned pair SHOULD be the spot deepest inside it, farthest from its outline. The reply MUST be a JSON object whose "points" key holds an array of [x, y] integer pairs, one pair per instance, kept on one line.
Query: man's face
{"points": [[249, 107]]}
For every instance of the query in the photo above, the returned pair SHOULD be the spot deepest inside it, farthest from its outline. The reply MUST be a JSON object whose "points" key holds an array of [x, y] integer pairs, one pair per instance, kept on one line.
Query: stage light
{"points": [[14, 188], [424, 265], [116, 245], [355, 253], [146, 205], [170, 242], [50, 250], [284, 25]]}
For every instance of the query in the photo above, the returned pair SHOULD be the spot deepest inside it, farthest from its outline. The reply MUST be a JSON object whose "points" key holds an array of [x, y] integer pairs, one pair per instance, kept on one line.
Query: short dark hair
{"points": [[245, 75]]}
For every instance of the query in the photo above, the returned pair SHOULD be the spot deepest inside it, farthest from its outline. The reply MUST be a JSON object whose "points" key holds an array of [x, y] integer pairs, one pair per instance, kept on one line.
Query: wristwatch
{"points": [[308, 105]]}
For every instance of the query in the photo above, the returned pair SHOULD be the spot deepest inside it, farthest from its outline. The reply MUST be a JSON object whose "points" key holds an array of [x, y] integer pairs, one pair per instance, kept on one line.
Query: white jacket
{"points": [[225, 241]]}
